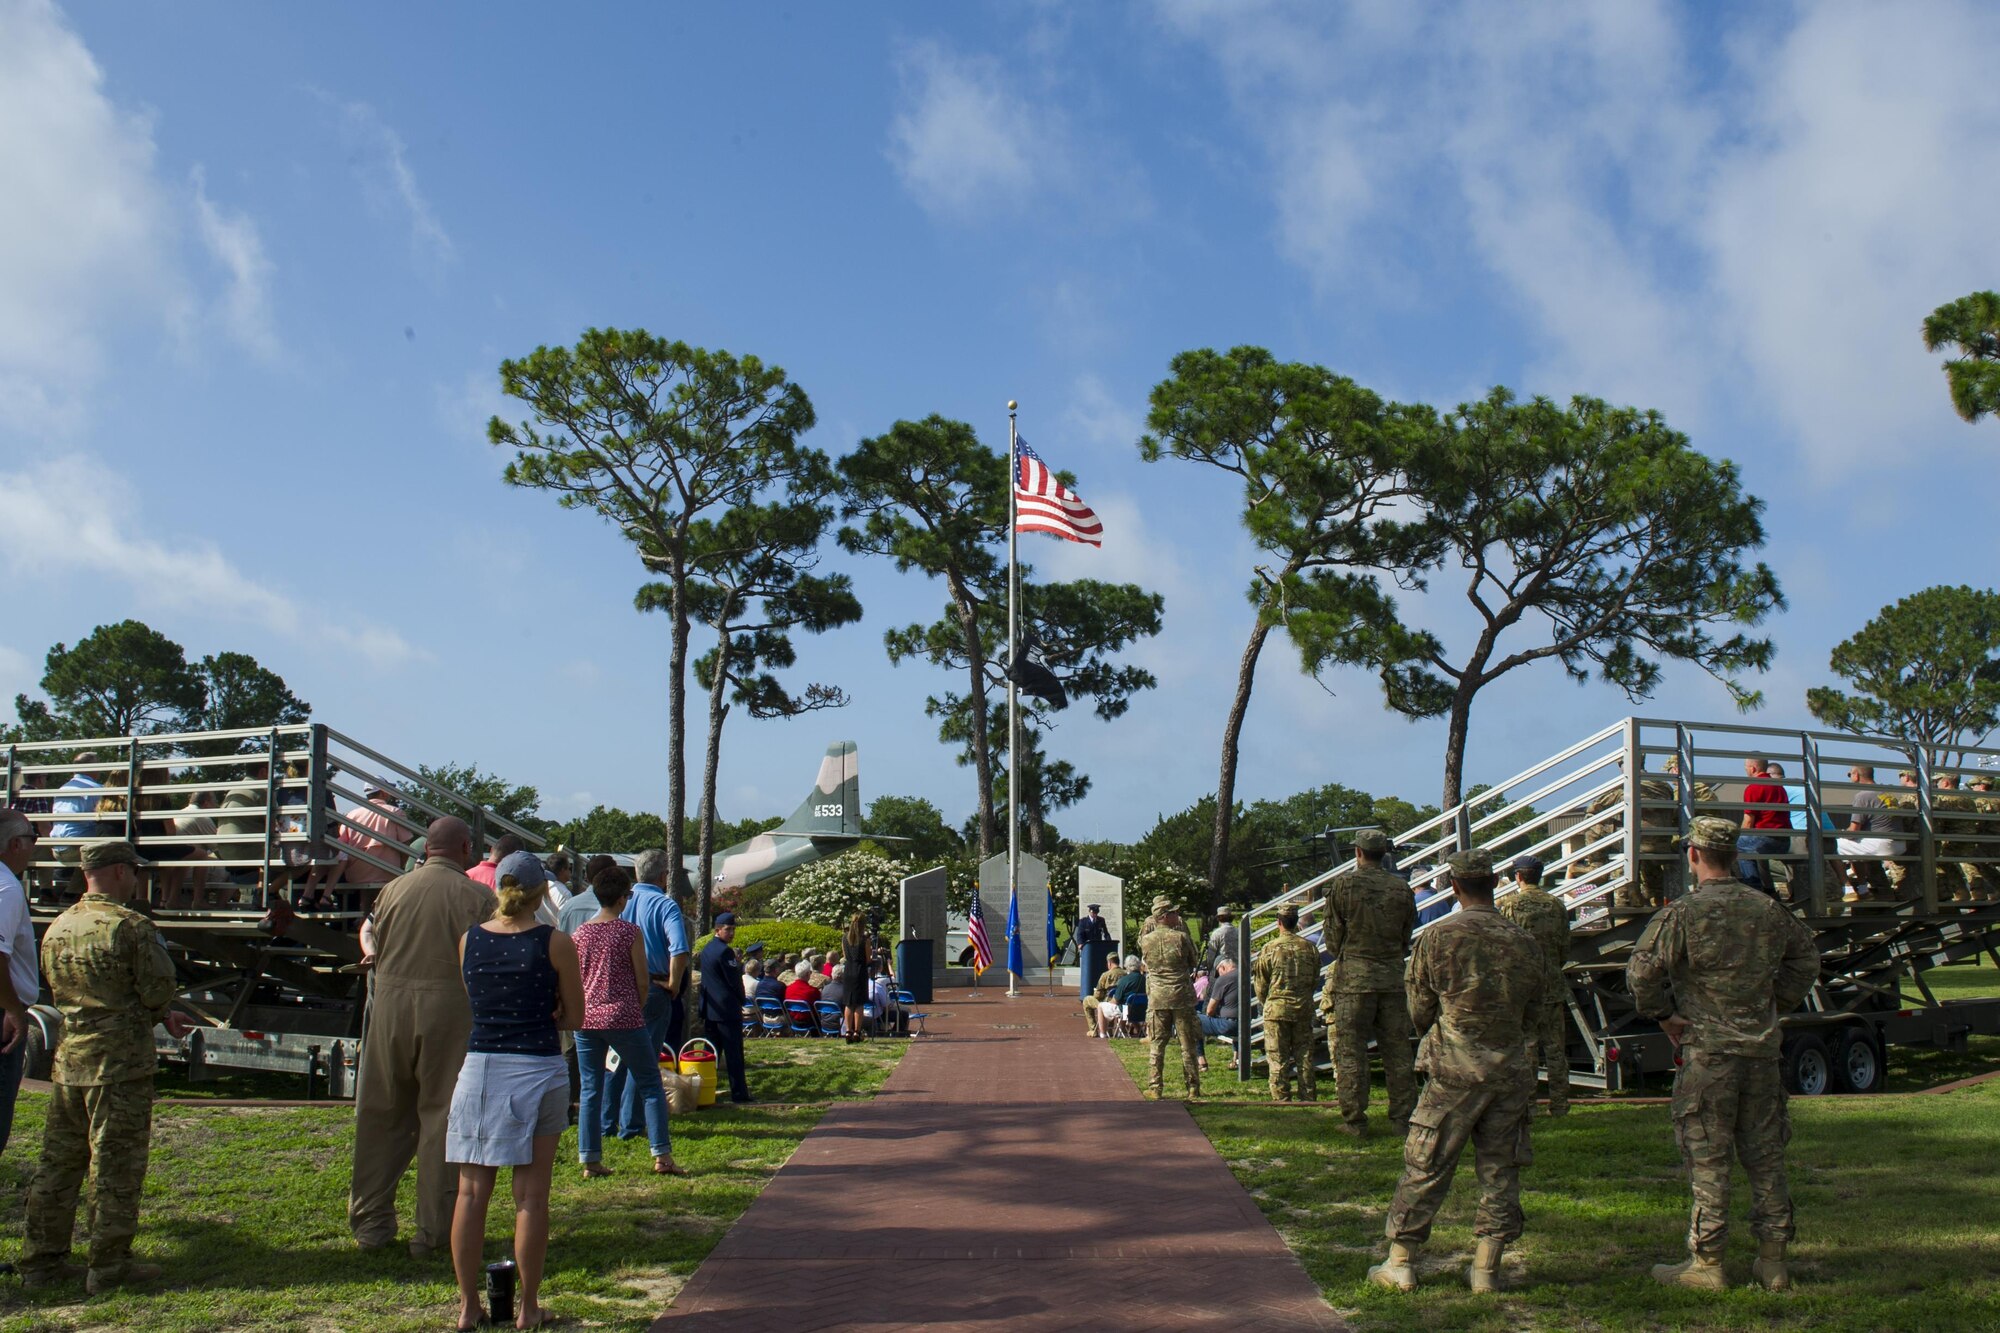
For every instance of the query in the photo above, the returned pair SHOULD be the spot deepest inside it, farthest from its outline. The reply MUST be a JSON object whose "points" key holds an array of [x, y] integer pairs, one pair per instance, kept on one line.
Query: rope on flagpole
{"points": [[1013, 689]]}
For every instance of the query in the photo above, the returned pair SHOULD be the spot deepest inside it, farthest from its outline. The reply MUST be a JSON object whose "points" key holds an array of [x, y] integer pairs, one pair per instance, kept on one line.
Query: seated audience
{"points": [[801, 987], [1112, 1011], [836, 987]]}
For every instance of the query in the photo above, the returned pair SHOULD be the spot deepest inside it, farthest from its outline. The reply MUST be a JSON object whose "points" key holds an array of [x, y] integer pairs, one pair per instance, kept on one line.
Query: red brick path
{"points": [[1008, 1176]]}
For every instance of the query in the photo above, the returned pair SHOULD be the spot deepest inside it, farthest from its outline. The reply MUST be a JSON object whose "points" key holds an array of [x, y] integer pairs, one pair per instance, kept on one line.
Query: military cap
{"points": [[117, 852], [757, 947], [1372, 841], [1980, 779], [1466, 865], [1712, 834], [1531, 866], [724, 919], [1906, 774], [1163, 904], [1093, 908]]}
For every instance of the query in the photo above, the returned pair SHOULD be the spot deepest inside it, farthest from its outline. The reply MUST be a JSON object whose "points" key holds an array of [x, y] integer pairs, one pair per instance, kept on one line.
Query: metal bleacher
{"points": [[274, 990], [1874, 951]]}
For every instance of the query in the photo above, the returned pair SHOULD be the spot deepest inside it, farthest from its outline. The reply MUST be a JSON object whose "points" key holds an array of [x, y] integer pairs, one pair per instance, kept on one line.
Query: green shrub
{"points": [[780, 937]]}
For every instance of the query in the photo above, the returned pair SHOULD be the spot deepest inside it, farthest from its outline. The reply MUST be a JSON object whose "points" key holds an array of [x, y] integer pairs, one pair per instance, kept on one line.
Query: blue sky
{"points": [[258, 265]]}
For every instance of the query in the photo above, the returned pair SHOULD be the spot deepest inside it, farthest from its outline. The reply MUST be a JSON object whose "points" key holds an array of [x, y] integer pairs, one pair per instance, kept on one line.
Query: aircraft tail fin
{"points": [[833, 806]]}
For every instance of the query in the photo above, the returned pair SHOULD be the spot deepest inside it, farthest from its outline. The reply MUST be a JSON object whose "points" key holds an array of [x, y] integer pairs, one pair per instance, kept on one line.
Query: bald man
{"points": [[413, 1041]]}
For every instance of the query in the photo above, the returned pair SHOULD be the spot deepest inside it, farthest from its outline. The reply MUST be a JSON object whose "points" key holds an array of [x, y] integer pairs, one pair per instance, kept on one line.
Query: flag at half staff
{"points": [[975, 933], [1043, 504]]}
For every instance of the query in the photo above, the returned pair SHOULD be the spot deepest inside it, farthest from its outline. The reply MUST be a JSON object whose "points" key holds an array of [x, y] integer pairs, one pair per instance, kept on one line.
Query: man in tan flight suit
{"points": [[419, 1021]]}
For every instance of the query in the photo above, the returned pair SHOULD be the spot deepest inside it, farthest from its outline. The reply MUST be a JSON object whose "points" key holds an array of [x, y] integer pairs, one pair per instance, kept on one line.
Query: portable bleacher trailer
{"points": [[1873, 954], [271, 994]]}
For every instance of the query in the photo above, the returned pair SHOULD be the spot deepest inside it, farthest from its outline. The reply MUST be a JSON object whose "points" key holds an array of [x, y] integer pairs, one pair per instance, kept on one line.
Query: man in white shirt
{"points": [[20, 978]]}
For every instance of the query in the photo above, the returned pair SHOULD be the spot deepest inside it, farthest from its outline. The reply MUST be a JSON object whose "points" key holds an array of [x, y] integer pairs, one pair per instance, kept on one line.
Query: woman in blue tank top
{"points": [[511, 1104]]}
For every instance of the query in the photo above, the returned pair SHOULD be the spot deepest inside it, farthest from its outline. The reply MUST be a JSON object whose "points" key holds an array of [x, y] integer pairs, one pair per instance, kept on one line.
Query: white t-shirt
{"points": [[554, 899], [17, 937]]}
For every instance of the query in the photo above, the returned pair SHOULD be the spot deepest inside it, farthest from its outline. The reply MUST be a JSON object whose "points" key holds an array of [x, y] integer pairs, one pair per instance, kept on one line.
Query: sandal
{"points": [[670, 1169], [595, 1170]]}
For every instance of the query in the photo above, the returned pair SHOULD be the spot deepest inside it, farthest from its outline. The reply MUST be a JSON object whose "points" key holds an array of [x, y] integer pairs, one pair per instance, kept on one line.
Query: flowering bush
{"points": [[832, 890]]}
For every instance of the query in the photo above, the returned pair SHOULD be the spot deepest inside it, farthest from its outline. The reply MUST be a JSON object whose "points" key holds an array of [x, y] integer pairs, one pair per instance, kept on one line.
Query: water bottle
{"points": [[500, 1291]]}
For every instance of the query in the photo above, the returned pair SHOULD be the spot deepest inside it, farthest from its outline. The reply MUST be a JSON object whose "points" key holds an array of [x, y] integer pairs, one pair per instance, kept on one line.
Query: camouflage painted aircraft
{"points": [[827, 821]]}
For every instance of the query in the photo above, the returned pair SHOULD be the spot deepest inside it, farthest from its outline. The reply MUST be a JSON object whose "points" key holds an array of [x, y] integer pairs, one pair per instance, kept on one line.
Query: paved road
{"points": [[1008, 1176]]}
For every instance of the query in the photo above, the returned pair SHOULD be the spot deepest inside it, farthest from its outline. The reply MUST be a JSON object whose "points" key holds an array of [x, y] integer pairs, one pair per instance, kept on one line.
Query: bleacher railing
{"points": [[285, 798], [1591, 849]]}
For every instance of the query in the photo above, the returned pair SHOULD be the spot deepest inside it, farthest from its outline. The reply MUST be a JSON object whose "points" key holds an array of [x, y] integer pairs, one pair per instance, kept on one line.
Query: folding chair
{"points": [[771, 1017], [829, 1018], [908, 1002], [1134, 1022], [799, 1019]]}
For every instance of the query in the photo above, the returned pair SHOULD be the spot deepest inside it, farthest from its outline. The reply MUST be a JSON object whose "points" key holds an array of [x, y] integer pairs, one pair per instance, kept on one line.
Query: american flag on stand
{"points": [[1043, 504], [975, 931]]}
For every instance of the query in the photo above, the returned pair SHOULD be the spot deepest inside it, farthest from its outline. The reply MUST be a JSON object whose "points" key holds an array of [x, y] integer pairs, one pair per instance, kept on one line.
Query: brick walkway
{"points": [[1008, 1176]]}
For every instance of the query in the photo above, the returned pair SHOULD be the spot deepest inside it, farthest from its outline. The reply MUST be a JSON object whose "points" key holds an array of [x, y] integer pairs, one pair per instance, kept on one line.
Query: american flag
{"points": [[1043, 504], [975, 931]]}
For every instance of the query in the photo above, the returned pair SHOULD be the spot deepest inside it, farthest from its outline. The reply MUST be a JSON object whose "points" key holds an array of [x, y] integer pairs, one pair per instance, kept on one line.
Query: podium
{"points": [[913, 968]]}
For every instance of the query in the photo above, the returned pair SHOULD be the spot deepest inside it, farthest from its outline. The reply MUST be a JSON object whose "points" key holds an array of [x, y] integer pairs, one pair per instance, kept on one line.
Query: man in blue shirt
{"points": [[75, 805], [663, 929]]}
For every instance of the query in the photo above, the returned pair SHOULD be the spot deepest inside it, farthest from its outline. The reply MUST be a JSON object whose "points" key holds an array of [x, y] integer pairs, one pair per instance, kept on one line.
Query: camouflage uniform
{"points": [[1170, 1005], [111, 978], [1544, 916], [1285, 977], [1645, 886], [1584, 834], [1369, 917], [1902, 874], [1957, 875], [1098, 993], [1986, 876], [1475, 980], [1730, 960]]}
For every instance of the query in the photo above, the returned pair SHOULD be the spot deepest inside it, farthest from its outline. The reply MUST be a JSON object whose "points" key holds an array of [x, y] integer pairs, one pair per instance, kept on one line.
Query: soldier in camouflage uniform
{"points": [[1369, 917], [1170, 1005], [1717, 968], [110, 976], [1475, 980], [1648, 886], [1957, 875], [1544, 916], [1902, 874], [1285, 977], [1985, 881]]}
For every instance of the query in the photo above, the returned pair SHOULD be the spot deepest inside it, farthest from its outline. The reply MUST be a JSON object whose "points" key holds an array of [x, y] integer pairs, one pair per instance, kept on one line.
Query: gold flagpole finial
{"points": [[1011, 405]]}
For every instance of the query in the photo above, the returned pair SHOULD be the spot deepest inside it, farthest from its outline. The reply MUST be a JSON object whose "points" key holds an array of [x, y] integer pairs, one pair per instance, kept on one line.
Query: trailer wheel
{"points": [[1857, 1061], [1808, 1066], [40, 1059]]}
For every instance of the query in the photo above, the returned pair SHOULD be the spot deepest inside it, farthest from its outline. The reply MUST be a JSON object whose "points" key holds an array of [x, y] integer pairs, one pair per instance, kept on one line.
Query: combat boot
{"points": [[1354, 1128], [1484, 1275], [1771, 1270], [131, 1275], [34, 1279], [1399, 1270], [1700, 1271]]}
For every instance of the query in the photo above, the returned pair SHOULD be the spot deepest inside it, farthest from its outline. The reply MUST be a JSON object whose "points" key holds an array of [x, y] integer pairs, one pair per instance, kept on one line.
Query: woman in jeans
{"points": [[511, 1104], [613, 960]]}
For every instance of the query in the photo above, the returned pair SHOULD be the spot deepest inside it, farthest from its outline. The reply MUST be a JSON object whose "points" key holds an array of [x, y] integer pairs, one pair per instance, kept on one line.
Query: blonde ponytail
{"points": [[516, 898]]}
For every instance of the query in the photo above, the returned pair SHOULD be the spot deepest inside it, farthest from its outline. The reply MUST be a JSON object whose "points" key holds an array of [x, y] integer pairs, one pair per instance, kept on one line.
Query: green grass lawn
{"points": [[247, 1209], [1898, 1208]]}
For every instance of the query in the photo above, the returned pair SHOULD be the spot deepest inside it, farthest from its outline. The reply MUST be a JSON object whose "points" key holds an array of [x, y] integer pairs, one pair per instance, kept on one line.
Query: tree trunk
{"points": [[677, 718], [1454, 742], [982, 757], [1038, 831], [1225, 783], [718, 712]]}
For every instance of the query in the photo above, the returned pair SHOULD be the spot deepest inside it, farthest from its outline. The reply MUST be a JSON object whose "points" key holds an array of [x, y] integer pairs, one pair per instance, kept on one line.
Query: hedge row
{"points": [[780, 937]]}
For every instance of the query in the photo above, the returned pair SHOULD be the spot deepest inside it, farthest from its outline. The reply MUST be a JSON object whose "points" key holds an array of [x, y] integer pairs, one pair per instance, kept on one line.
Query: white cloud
{"points": [[233, 241], [1767, 214], [964, 141], [84, 226], [381, 163], [1096, 417], [972, 138], [71, 516]]}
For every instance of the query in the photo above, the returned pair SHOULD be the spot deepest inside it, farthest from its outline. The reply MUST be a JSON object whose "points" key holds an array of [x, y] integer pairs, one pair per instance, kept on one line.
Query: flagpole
{"points": [[1013, 688]]}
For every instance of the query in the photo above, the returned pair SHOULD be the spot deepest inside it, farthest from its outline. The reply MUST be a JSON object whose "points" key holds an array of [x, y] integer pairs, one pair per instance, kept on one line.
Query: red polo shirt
{"points": [[1767, 793]]}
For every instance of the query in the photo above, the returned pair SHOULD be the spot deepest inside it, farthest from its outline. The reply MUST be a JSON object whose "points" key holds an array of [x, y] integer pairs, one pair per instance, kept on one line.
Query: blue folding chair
{"points": [[1135, 1016], [771, 1017], [799, 1019], [908, 1002], [829, 1018]]}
